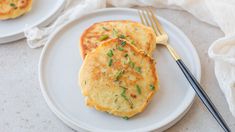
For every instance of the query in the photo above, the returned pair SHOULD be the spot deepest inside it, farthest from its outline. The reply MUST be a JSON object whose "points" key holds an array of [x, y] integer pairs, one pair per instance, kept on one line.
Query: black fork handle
{"points": [[202, 95]]}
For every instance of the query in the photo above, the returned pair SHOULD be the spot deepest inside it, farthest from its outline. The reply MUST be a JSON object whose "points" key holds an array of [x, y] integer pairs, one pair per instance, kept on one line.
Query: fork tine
{"points": [[141, 17], [159, 27], [144, 17], [152, 23]]}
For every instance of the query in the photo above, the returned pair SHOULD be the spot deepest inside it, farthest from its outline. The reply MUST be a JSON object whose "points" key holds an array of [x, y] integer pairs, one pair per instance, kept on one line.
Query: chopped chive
{"points": [[123, 43], [132, 42], [125, 118], [138, 69], [132, 64], [106, 29], [128, 60], [110, 53], [115, 101], [122, 36], [110, 62], [123, 89], [138, 89], [123, 94], [115, 33], [103, 37], [118, 75], [116, 98], [120, 48], [125, 55], [123, 62], [151, 87], [12, 5], [85, 82]]}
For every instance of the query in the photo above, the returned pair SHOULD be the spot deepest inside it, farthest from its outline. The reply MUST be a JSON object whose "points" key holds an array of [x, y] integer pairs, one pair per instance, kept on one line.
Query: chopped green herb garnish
{"points": [[12, 5], [122, 36], [123, 94], [116, 98], [123, 43], [103, 37], [110, 53], [120, 48], [118, 75], [123, 62], [110, 62], [106, 29], [138, 69], [123, 89], [133, 42], [128, 59], [152, 87], [125, 117], [132, 64], [125, 55], [115, 33], [85, 82], [138, 89]]}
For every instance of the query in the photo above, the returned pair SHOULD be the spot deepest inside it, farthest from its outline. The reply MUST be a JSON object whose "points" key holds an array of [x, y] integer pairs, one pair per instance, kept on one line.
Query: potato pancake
{"points": [[135, 33], [118, 78], [10, 9]]}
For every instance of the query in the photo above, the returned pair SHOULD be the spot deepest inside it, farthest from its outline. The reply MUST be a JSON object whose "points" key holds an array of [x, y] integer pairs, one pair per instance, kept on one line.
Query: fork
{"points": [[148, 18]]}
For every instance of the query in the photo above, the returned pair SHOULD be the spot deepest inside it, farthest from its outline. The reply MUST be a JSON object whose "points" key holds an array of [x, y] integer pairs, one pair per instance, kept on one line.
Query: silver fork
{"points": [[148, 18]]}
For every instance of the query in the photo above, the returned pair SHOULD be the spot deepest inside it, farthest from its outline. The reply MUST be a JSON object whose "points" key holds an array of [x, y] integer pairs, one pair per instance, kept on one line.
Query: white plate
{"points": [[58, 71], [42, 13]]}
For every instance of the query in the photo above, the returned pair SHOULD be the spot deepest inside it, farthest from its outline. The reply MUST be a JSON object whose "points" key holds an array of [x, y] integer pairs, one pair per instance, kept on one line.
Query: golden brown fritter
{"points": [[10, 9], [135, 33], [118, 78]]}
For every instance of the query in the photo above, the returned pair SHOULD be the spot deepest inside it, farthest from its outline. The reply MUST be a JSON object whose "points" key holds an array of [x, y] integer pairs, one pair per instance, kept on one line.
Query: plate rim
{"points": [[43, 22], [81, 126]]}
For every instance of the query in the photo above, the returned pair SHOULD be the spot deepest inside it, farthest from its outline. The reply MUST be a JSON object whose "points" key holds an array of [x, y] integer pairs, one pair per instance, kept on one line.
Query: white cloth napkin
{"points": [[37, 37], [220, 13]]}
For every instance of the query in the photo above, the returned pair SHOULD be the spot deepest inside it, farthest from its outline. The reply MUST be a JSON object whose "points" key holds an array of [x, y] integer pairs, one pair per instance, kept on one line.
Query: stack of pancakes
{"points": [[118, 74]]}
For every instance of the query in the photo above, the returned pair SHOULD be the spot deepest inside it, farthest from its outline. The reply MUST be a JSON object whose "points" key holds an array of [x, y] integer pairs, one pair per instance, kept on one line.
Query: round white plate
{"points": [[60, 63], [41, 14]]}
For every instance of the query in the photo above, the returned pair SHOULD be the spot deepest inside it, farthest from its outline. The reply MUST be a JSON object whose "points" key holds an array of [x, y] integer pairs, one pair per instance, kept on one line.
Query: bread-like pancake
{"points": [[118, 78], [10, 9], [135, 33]]}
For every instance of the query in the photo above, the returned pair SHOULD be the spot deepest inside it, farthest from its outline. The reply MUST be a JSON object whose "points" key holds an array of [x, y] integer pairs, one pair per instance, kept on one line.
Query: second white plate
{"points": [[60, 62], [42, 13]]}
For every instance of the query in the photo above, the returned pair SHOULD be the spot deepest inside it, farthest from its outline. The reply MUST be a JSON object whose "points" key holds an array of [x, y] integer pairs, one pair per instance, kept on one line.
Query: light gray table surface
{"points": [[23, 109]]}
